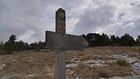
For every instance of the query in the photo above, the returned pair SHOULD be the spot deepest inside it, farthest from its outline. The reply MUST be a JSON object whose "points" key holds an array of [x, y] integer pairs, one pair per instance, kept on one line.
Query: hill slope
{"points": [[92, 63]]}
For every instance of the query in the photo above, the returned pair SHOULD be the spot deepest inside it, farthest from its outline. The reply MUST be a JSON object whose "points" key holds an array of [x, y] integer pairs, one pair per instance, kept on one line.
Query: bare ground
{"points": [[92, 63]]}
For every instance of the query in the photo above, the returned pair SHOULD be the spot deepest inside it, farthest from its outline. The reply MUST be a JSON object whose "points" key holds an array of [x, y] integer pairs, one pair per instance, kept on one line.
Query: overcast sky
{"points": [[29, 19]]}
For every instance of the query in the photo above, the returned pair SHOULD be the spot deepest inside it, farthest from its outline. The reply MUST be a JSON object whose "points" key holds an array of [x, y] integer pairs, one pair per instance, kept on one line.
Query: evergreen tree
{"points": [[20, 45], [33, 45], [138, 40], [114, 40], [1, 45], [10, 44], [127, 40], [105, 40], [41, 45]]}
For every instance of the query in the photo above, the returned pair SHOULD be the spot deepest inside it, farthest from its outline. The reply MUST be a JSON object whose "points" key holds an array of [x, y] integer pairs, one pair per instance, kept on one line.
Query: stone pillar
{"points": [[60, 21], [60, 71]]}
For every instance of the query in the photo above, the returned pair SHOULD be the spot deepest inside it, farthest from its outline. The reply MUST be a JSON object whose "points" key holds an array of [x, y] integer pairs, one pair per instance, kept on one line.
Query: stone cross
{"points": [[61, 41]]}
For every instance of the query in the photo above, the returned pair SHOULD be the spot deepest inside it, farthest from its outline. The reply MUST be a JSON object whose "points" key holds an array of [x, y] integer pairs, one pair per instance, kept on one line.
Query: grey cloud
{"points": [[93, 19], [120, 29], [33, 16], [136, 30], [21, 17], [110, 19], [121, 15], [136, 8]]}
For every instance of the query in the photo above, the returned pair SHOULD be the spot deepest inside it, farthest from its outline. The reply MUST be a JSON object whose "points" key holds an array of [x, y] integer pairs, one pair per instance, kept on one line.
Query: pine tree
{"points": [[127, 40]]}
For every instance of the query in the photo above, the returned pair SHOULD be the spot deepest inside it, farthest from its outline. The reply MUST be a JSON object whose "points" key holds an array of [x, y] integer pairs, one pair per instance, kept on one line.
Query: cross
{"points": [[61, 41]]}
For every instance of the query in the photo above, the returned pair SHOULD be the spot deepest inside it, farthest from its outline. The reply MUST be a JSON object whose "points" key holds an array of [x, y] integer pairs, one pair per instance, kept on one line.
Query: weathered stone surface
{"points": [[60, 21], [59, 41]]}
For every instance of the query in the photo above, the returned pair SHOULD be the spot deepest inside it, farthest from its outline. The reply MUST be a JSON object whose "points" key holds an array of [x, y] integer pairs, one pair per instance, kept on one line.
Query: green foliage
{"points": [[114, 40], [21, 46], [127, 40], [1, 45], [12, 45], [95, 39], [33, 45], [138, 40], [122, 63], [38, 46], [12, 38]]}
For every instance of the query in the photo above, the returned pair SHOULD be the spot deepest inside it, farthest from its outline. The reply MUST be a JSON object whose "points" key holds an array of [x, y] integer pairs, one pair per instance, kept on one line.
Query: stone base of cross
{"points": [[61, 41]]}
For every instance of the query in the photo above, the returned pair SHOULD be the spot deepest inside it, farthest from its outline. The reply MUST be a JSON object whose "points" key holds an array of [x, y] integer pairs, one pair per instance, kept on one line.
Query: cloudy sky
{"points": [[28, 19]]}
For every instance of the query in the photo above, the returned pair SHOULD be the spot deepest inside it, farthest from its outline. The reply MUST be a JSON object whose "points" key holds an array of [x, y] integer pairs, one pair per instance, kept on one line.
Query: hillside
{"points": [[93, 63]]}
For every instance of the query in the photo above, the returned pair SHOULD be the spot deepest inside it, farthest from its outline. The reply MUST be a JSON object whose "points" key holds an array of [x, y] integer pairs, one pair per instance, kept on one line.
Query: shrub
{"points": [[6, 52], [122, 63]]}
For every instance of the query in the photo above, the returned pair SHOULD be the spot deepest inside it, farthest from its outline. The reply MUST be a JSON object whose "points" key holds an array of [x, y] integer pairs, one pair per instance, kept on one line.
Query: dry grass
{"points": [[105, 72], [28, 64], [40, 64]]}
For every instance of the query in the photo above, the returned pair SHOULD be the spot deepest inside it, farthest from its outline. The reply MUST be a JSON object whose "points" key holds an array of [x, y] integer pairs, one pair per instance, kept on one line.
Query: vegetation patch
{"points": [[123, 63], [104, 72]]}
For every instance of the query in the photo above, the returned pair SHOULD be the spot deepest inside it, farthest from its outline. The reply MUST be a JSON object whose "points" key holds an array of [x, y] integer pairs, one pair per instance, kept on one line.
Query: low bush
{"points": [[122, 63]]}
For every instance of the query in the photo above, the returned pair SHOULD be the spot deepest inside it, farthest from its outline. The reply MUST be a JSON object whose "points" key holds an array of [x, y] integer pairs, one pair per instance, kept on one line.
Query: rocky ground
{"points": [[93, 63]]}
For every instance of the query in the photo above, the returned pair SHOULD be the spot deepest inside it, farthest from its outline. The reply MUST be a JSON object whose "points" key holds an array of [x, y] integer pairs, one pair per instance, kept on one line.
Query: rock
{"points": [[31, 76], [136, 67], [71, 65], [129, 77], [2, 66]]}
